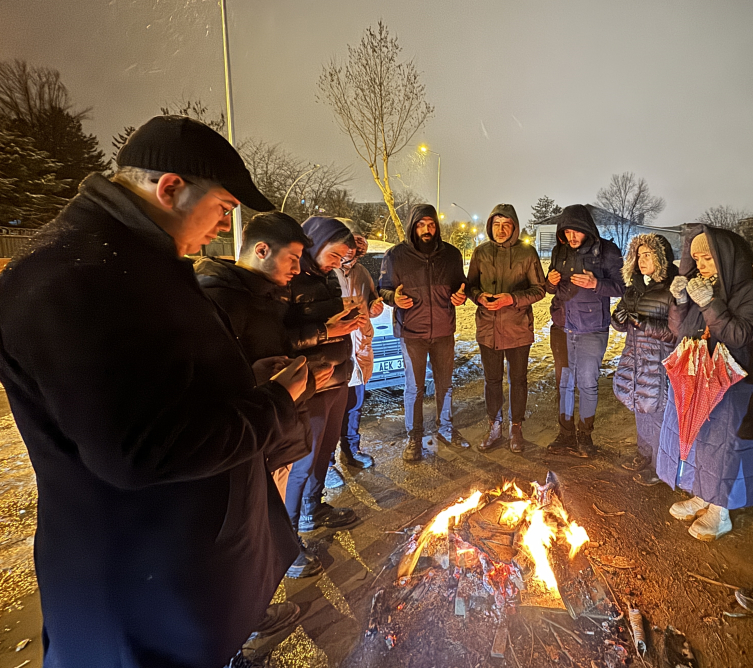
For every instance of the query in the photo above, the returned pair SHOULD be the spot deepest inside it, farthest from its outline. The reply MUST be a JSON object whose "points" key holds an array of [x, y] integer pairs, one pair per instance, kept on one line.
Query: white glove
{"points": [[679, 283], [700, 291]]}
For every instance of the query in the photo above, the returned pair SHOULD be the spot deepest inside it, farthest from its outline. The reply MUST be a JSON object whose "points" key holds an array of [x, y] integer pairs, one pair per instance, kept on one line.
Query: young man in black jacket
{"points": [[422, 277], [254, 293]]}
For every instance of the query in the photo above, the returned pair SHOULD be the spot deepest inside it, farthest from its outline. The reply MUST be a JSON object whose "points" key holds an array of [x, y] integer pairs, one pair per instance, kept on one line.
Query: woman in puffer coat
{"points": [[714, 290], [643, 312]]}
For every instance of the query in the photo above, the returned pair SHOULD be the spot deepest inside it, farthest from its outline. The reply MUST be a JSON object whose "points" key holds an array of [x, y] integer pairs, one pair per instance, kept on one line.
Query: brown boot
{"points": [[414, 448], [517, 442], [565, 439], [494, 438], [585, 446]]}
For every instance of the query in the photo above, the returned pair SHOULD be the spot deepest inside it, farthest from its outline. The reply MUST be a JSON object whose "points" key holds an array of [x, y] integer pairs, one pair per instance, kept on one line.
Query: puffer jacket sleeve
{"points": [[734, 329], [657, 329], [458, 273], [677, 313], [535, 291]]}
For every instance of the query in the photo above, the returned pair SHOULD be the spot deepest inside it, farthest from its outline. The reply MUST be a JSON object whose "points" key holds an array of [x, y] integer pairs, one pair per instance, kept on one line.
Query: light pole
{"points": [[237, 222], [425, 149], [285, 199]]}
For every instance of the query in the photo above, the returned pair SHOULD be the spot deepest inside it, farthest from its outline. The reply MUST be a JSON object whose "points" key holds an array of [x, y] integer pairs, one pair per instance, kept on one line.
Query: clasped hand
{"points": [[495, 302]]}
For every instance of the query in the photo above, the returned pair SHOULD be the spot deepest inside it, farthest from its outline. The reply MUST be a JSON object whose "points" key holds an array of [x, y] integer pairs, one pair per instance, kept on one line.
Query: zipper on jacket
{"points": [[431, 305]]}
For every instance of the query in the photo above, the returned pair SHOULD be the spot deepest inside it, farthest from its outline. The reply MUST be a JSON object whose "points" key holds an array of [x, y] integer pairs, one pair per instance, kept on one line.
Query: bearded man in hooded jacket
{"points": [[714, 290], [422, 278], [505, 278], [585, 272]]}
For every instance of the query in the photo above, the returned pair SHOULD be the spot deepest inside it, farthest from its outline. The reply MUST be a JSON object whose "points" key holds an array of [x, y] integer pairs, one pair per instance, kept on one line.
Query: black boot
{"points": [[516, 438], [494, 438], [414, 449], [565, 439], [585, 446]]}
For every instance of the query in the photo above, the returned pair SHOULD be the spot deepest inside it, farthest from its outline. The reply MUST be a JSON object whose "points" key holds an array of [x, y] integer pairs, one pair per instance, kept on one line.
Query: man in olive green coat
{"points": [[505, 277]]}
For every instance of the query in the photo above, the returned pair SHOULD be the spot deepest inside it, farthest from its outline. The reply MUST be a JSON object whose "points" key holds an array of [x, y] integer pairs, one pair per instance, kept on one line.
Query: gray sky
{"points": [[542, 97]]}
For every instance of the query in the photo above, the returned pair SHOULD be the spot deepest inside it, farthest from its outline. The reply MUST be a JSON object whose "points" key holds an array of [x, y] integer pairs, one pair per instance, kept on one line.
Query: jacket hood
{"points": [[508, 211], [218, 273], [418, 212], [575, 217], [664, 258], [732, 255], [320, 229]]}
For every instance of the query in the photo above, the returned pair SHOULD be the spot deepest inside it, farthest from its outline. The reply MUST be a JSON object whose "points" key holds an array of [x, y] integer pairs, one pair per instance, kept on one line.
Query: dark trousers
{"points": [[350, 436], [648, 426], [558, 343], [517, 378], [306, 481], [441, 352]]}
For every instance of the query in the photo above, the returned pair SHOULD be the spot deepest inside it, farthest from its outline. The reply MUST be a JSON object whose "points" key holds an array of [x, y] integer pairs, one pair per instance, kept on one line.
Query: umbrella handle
{"points": [[707, 334]]}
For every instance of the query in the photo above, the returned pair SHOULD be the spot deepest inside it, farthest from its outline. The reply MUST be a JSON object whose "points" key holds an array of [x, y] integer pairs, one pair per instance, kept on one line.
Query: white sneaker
{"points": [[688, 510], [714, 523]]}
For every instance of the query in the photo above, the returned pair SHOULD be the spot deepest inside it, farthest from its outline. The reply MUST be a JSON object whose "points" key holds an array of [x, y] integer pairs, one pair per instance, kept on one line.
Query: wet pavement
{"points": [[646, 554]]}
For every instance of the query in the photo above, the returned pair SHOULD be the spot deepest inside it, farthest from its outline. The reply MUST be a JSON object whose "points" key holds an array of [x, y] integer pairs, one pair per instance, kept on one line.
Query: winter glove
{"points": [[620, 315], [700, 291], [677, 289]]}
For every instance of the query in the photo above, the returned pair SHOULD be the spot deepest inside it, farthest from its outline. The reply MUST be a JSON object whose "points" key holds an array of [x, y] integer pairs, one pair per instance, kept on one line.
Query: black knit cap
{"points": [[182, 145]]}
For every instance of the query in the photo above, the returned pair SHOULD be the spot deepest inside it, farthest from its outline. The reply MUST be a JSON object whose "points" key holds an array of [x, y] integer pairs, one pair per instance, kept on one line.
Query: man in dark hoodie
{"points": [[585, 272], [422, 277], [504, 278], [316, 299]]}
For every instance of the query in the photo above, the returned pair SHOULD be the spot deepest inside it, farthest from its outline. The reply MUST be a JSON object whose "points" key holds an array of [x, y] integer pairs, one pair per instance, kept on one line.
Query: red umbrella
{"points": [[699, 381]]}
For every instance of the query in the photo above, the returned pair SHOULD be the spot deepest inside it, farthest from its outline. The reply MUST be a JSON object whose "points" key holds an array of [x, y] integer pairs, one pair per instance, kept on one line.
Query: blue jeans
{"points": [[350, 436], [441, 352], [585, 353]]}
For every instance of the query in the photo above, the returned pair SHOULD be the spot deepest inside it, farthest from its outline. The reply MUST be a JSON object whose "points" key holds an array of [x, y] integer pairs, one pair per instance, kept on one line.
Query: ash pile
{"points": [[498, 579]]}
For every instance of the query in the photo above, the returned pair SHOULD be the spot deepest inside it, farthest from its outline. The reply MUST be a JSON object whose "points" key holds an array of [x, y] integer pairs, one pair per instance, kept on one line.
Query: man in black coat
{"points": [[161, 537], [422, 277]]}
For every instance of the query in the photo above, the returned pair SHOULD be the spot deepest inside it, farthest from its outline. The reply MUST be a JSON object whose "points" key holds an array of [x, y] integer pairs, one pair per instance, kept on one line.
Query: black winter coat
{"points": [[314, 299], [429, 279], [512, 267], [586, 310], [640, 381], [255, 309], [161, 537]]}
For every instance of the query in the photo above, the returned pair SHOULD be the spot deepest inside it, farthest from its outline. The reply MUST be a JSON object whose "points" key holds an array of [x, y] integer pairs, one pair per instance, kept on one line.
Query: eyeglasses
{"points": [[225, 212]]}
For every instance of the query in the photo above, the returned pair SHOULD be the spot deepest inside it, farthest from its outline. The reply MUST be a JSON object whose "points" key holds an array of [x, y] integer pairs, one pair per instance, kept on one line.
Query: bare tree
{"points": [[630, 202], [379, 102], [724, 216], [275, 171]]}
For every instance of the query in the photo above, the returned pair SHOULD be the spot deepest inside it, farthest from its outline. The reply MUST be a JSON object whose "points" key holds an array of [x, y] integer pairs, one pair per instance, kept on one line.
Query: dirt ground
{"points": [[646, 555]]}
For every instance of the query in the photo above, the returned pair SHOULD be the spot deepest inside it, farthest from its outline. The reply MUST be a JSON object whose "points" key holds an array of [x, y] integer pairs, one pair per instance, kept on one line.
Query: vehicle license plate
{"points": [[389, 364]]}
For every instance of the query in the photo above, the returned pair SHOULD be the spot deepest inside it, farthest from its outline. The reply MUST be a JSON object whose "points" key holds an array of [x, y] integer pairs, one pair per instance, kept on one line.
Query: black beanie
{"points": [[182, 145]]}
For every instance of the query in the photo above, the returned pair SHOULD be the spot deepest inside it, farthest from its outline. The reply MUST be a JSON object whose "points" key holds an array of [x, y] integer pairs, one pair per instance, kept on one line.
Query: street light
{"points": [[466, 210], [285, 199], [425, 149]]}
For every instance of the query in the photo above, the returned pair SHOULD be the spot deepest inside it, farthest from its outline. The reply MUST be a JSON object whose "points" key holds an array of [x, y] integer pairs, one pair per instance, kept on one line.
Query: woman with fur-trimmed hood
{"points": [[641, 380]]}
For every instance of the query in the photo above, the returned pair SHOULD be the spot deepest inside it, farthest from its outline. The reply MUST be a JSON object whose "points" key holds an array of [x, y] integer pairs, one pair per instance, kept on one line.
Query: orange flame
{"points": [[441, 523], [577, 536], [537, 539]]}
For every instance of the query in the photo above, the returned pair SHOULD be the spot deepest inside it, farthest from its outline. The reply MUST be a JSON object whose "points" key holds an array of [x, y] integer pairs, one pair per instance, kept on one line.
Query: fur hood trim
{"points": [[663, 257]]}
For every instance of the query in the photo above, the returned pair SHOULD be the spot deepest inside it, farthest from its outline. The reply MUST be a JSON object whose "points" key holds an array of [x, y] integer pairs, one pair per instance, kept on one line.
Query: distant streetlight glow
{"points": [[425, 149]]}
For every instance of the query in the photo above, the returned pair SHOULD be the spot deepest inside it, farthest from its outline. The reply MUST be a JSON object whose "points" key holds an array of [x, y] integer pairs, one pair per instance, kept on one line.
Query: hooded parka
{"points": [[161, 537], [640, 381], [512, 267], [719, 468], [586, 310], [430, 279]]}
